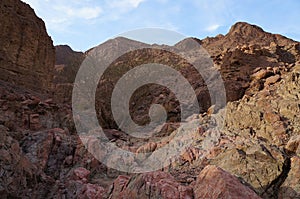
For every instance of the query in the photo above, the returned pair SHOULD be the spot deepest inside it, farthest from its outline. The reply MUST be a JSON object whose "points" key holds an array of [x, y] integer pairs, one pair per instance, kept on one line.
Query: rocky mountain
{"points": [[27, 54], [67, 63], [255, 155], [238, 55], [241, 34]]}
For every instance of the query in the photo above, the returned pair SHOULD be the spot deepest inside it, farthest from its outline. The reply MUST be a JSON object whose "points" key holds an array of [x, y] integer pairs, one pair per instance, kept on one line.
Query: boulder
{"points": [[215, 183]]}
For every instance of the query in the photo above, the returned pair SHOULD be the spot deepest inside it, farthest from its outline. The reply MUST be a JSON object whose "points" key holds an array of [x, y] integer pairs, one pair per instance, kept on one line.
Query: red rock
{"points": [[92, 191], [49, 101], [119, 184], [150, 185], [57, 130], [81, 173], [215, 183], [190, 155]]}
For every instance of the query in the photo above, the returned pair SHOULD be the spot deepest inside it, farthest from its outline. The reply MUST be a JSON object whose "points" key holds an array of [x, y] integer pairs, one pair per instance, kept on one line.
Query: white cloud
{"points": [[61, 14], [125, 4], [134, 3], [84, 12], [212, 28]]}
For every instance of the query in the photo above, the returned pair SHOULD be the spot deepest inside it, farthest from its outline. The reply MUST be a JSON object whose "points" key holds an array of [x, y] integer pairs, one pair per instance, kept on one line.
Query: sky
{"points": [[83, 24]]}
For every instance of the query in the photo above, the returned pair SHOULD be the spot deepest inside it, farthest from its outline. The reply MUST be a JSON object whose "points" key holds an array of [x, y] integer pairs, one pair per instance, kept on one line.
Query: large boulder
{"points": [[214, 182]]}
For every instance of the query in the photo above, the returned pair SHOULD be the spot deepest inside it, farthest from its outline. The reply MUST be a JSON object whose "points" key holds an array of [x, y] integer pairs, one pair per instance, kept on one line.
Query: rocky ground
{"points": [[256, 154]]}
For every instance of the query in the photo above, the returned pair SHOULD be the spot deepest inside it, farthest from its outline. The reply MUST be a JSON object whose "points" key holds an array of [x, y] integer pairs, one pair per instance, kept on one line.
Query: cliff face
{"points": [[67, 63], [41, 155], [27, 54]]}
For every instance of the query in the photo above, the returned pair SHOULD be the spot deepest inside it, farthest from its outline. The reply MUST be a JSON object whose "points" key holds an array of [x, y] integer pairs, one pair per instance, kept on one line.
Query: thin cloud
{"points": [[212, 28], [83, 13], [125, 4]]}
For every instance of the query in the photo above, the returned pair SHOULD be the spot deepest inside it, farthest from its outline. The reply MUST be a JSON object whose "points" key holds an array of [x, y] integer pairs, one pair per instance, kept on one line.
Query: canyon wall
{"points": [[27, 54]]}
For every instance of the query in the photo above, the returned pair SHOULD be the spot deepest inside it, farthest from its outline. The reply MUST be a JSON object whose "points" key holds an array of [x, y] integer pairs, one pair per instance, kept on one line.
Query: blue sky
{"points": [[83, 24]]}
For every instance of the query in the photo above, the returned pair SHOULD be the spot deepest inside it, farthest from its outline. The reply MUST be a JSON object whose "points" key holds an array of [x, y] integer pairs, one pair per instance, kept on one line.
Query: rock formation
{"points": [[255, 154], [67, 63], [26, 51]]}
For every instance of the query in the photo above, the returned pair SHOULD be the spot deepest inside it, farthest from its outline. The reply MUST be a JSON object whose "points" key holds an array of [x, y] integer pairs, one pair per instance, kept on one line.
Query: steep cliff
{"points": [[27, 54]]}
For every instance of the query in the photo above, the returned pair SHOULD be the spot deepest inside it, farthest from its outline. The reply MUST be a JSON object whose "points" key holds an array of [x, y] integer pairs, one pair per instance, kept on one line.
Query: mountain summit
{"points": [[243, 33]]}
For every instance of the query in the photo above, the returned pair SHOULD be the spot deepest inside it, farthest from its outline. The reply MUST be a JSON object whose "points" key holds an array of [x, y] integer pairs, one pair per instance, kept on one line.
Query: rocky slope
{"points": [[260, 74], [255, 155], [27, 54], [67, 63], [237, 55]]}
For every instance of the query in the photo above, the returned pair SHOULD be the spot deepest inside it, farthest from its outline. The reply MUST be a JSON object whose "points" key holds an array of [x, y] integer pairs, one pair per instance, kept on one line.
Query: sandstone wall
{"points": [[27, 54]]}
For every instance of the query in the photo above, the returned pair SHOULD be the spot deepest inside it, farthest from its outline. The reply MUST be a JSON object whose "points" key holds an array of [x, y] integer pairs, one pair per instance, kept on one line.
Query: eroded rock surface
{"points": [[255, 154], [27, 54]]}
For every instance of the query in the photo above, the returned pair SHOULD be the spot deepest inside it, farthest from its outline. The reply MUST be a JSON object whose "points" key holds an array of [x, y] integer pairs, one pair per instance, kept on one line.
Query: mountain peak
{"points": [[246, 29]]}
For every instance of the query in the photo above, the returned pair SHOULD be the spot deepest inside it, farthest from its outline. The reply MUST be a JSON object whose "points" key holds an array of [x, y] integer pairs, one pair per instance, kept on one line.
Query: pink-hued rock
{"points": [[214, 182], [92, 191], [150, 185], [119, 185], [83, 190], [81, 173]]}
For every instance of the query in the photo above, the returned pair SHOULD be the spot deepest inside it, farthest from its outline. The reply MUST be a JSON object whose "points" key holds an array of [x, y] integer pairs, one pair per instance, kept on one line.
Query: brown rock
{"points": [[255, 165], [272, 79], [271, 117], [261, 74], [293, 146], [213, 182], [291, 186], [147, 148], [26, 51]]}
